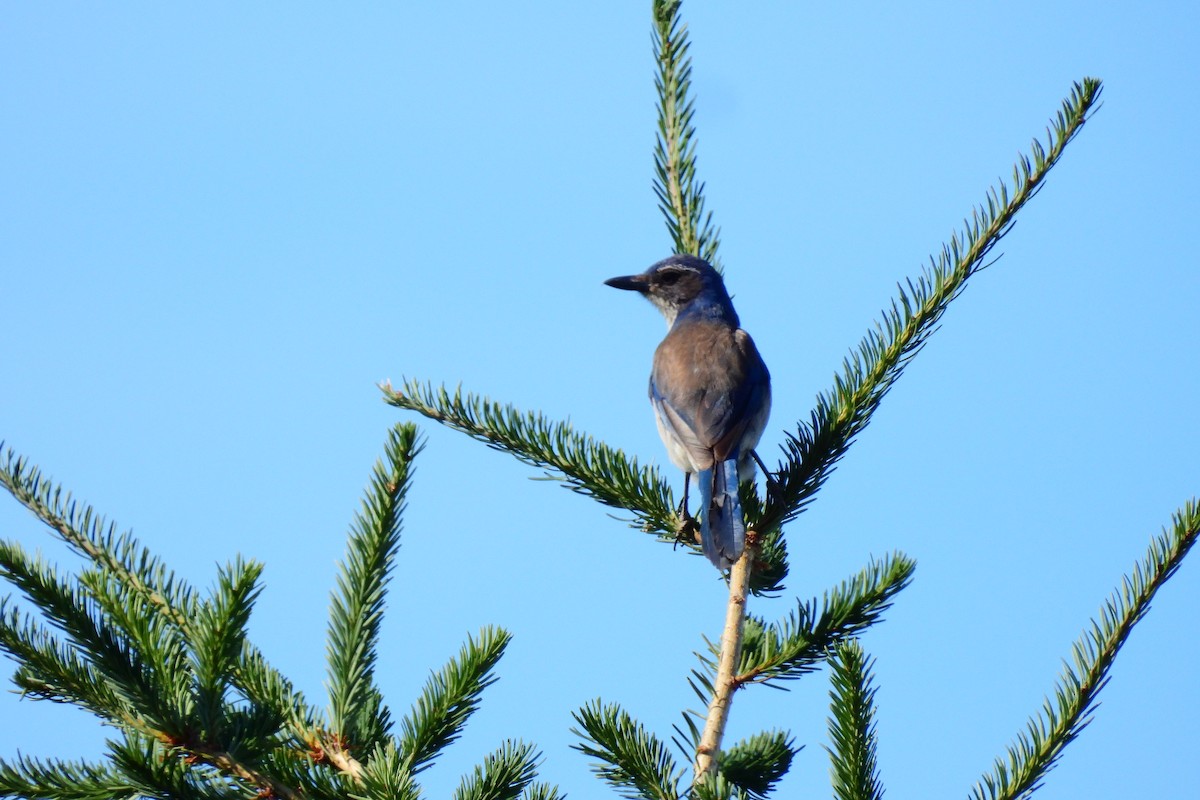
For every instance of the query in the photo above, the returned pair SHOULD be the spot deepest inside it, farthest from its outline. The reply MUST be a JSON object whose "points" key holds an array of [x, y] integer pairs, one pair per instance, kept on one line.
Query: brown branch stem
{"points": [[232, 766], [349, 765], [726, 682]]}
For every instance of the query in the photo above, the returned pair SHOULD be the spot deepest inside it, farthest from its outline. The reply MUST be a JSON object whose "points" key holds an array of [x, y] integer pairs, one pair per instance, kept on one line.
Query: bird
{"points": [[711, 394]]}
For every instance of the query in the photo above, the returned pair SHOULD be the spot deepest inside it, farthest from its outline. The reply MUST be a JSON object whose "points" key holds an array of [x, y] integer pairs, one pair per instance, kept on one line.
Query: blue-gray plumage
{"points": [[710, 390]]}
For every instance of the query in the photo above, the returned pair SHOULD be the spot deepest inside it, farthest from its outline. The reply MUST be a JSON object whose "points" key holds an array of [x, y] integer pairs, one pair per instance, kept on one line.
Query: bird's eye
{"points": [[669, 277]]}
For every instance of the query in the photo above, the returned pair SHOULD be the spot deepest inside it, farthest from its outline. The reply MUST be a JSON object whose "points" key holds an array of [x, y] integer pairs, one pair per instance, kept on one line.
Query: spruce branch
{"points": [[121, 558], [358, 718], [218, 636], [756, 765], [868, 373], [228, 768], [159, 771], [852, 725], [503, 775], [130, 621], [542, 791], [118, 681], [785, 650], [123, 623], [631, 759], [203, 715], [93, 537], [268, 691], [56, 779], [583, 464], [580, 462], [798, 643], [449, 698], [715, 786], [158, 649], [126, 649], [385, 776], [54, 671], [680, 197], [1063, 717]]}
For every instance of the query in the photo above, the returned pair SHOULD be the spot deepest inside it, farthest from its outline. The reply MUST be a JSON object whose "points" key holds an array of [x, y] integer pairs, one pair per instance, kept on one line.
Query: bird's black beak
{"points": [[633, 283]]}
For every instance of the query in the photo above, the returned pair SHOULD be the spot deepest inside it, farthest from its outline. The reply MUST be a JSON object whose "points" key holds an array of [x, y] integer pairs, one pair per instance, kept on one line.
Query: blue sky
{"points": [[221, 226]]}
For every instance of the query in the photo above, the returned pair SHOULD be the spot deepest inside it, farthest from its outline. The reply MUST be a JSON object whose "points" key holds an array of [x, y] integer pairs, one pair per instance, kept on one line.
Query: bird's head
{"points": [[680, 282]]}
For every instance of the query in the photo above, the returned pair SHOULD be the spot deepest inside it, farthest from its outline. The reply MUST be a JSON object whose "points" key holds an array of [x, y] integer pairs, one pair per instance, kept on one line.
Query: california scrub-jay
{"points": [[711, 393]]}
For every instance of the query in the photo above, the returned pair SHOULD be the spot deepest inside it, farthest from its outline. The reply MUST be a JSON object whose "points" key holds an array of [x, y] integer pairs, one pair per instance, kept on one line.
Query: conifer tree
{"points": [[200, 713]]}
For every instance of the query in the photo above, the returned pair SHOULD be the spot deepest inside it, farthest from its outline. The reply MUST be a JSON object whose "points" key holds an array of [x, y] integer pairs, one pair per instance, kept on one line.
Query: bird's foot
{"points": [[773, 487], [688, 531]]}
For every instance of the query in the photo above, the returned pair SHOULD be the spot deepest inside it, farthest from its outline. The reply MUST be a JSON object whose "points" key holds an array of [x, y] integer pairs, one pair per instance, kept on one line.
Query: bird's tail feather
{"points": [[722, 529]]}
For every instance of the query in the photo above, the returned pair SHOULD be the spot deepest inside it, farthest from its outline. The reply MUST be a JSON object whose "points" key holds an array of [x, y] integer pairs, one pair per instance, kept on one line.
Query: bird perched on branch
{"points": [[711, 394]]}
